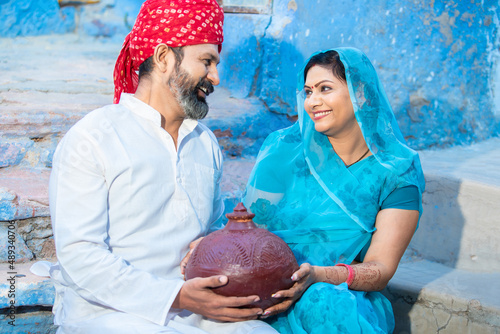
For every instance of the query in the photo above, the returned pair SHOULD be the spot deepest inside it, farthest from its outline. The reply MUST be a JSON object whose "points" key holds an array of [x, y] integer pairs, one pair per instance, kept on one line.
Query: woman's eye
{"points": [[325, 88], [307, 92]]}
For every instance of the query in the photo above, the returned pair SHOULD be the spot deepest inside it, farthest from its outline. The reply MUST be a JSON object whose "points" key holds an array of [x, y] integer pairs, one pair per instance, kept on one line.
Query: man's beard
{"points": [[186, 92]]}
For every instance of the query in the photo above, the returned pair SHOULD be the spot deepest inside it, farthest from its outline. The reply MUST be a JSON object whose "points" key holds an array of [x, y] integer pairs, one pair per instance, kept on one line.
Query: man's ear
{"points": [[163, 58]]}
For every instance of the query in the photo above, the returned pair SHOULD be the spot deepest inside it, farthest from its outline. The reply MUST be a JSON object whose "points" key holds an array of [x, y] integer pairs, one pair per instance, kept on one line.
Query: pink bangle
{"points": [[350, 276]]}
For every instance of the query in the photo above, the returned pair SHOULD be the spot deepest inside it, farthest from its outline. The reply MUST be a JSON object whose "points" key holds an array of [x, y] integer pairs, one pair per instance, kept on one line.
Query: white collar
{"points": [[146, 111]]}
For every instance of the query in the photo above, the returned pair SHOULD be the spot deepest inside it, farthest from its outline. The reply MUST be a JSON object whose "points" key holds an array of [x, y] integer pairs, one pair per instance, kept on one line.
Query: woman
{"points": [[343, 189]]}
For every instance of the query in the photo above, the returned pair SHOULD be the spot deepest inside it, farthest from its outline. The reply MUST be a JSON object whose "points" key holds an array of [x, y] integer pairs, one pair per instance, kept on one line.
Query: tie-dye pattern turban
{"points": [[173, 22]]}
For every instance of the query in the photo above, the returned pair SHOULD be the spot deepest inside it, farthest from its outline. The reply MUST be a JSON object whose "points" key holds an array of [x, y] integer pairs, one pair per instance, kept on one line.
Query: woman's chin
{"points": [[321, 128]]}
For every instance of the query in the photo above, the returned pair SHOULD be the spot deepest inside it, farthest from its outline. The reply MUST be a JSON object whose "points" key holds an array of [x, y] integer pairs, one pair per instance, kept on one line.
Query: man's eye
{"points": [[207, 62]]}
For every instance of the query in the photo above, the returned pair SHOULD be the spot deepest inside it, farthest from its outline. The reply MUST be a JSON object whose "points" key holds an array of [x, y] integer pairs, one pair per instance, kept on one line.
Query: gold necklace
{"points": [[347, 166]]}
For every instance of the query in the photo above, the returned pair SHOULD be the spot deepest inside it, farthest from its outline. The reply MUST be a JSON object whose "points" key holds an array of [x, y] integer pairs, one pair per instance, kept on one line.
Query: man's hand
{"points": [[196, 295], [303, 279], [185, 260]]}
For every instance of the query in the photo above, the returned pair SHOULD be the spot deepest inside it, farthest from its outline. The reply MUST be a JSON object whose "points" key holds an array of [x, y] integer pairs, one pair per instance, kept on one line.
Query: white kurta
{"points": [[125, 204]]}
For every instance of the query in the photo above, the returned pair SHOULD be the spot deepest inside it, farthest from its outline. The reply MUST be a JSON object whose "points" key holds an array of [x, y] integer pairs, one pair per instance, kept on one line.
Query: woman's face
{"points": [[328, 103]]}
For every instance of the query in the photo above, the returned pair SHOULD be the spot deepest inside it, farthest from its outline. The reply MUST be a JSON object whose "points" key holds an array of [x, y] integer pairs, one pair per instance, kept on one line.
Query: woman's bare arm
{"points": [[395, 228]]}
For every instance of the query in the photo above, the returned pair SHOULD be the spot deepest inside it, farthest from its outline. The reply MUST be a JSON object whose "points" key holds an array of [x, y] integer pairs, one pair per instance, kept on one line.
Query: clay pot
{"points": [[256, 261]]}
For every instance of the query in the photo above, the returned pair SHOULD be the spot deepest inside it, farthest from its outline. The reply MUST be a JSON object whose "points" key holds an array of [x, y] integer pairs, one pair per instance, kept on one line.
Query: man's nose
{"points": [[213, 76]]}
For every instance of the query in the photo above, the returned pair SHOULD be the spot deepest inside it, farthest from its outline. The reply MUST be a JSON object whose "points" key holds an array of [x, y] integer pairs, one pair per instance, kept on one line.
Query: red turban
{"points": [[173, 22]]}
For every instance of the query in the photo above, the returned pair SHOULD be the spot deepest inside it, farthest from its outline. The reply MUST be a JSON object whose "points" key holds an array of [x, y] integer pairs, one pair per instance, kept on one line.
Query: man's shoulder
{"points": [[209, 143], [99, 118], [203, 129], [96, 123], [106, 112]]}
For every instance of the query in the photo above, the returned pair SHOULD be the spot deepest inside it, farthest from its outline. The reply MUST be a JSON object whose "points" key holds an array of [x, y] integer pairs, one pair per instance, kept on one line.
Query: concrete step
{"points": [[47, 84], [40, 103], [24, 203], [449, 281], [460, 226], [24, 210], [68, 64], [428, 297]]}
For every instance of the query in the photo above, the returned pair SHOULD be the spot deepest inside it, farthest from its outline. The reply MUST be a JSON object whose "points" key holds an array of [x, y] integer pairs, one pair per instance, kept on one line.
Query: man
{"points": [[135, 182]]}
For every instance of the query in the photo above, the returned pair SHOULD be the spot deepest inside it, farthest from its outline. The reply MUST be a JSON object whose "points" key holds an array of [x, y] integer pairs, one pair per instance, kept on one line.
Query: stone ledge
{"points": [[428, 297], [40, 114], [460, 225], [25, 186], [476, 163], [41, 104], [71, 64], [23, 193], [24, 203], [30, 290], [24, 210], [32, 320], [34, 297]]}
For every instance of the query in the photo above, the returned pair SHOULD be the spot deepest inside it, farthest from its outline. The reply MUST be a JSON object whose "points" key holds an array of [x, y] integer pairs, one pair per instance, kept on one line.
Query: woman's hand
{"points": [[303, 278], [185, 260]]}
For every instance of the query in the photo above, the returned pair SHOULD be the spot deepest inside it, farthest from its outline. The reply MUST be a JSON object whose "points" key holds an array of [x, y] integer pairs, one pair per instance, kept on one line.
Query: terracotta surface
{"points": [[256, 261]]}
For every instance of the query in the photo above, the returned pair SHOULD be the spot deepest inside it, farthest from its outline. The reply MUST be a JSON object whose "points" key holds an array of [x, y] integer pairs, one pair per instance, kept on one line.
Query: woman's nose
{"points": [[313, 100]]}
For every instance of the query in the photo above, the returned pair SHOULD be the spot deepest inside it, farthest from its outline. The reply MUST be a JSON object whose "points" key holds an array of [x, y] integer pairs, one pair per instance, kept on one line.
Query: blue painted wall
{"points": [[437, 59], [34, 17], [108, 18]]}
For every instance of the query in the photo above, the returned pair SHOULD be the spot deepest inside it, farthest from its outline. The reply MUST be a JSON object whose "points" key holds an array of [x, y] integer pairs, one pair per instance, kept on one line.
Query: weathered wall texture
{"points": [[437, 59], [34, 17], [99, 18]]}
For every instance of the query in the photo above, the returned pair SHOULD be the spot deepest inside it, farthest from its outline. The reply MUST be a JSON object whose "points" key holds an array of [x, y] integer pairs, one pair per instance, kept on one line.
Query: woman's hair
{"points": [[329, 59]]}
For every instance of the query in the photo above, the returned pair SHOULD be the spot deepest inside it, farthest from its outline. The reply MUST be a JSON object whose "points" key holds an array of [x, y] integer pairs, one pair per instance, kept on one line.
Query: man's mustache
{"points": [[206, 86]]}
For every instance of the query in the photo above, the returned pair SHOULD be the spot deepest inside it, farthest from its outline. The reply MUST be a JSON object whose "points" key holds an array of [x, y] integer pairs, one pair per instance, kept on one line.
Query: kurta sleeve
{"points": [[79, 209], [216, 219]]}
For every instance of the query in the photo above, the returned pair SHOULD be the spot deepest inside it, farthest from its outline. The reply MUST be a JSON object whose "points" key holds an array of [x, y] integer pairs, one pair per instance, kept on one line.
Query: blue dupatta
{"points": [[301, 190]]}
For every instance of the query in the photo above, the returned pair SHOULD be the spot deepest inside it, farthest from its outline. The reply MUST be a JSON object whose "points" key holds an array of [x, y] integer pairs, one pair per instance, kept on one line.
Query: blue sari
{"points": [[301, 190]]}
